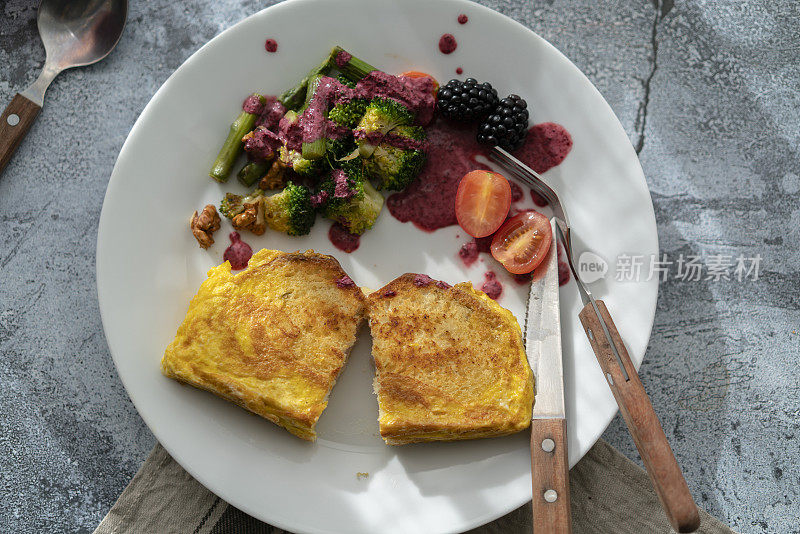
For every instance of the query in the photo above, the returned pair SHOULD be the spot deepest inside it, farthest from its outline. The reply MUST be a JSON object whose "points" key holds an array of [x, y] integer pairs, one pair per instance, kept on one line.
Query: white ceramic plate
{"points": [[149, 266]]}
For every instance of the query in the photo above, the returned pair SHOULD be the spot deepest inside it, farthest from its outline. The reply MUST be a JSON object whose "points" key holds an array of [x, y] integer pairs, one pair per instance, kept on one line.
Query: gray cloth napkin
{"points": [[610, 494]]}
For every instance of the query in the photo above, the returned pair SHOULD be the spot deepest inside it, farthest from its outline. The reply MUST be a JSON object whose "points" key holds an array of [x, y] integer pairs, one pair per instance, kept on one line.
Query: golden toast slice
{"points": [[272, 338], [449, 362]]}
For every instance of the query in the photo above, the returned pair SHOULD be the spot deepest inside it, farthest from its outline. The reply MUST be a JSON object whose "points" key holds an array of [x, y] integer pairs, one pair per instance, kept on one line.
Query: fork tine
{"points": [[501, 158], [525, 174], [509, 162]]}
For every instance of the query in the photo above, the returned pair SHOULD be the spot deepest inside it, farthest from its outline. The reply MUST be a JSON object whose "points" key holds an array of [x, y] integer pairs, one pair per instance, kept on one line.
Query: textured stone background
{"points": [[708, 92]]}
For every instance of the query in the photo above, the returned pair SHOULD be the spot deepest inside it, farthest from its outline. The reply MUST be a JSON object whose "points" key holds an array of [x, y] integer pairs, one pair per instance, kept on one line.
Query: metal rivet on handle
{"points": [[548, 445], [610, 378], [12, 119], [550, 495], [591, 335]]}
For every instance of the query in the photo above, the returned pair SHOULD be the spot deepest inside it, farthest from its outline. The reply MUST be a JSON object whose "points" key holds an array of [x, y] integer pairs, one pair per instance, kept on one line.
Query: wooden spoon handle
{"points": [[550, 474], [643, 424], [14, 124]]}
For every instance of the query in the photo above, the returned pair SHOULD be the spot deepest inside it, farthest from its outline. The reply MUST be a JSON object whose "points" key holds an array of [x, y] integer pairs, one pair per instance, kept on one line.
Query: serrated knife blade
{"points": [[543, 341], [549, 458]]}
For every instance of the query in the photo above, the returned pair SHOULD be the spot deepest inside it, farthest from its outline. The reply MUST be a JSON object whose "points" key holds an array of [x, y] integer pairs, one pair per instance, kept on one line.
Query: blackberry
{"points": [[507, 126], [466, 101]]}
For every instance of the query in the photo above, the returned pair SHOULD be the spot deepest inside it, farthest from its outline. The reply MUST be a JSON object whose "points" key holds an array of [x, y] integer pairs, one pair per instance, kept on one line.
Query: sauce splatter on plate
{"points": [[447, 43]]}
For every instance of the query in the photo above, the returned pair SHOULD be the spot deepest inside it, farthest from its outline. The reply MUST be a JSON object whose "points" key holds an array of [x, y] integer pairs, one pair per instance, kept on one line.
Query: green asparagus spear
{"points": [[299, 97], [232, 146], [311, 88], [252, 172], [315, 149], [354, 69], [293, 98]]}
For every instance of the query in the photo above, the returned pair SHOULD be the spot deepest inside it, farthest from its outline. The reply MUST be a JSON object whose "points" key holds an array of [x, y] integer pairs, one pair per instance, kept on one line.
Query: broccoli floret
{"points": [[350, 199], [341, 184], [360, 212], [394, 168], [383, 115], [349, 114], [290, 210], [344, 80], [336, 150], [233, 204], [343, 148], [392, 165], [349, 173], [308, 168], [414, 133]]}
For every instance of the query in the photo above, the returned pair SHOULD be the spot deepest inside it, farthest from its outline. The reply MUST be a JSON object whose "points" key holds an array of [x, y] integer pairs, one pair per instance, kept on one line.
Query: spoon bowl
{"points": [[78, 33], [75, 33]]}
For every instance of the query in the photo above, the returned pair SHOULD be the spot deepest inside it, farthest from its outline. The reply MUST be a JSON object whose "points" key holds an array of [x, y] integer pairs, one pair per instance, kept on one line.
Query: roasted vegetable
{"points": [[290, 211], [233, 204], [232, 146], [347, 197]]}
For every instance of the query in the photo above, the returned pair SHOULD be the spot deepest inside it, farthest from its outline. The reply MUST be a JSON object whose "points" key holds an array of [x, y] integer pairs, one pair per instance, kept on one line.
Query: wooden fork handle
{"points": [[550, 475], [15, 122], [643, 424]]}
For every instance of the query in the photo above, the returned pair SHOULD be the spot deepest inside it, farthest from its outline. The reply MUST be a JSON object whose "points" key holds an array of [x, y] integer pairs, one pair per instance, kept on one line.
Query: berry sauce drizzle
{"points": [[429, 202], [447, 44], [342, 239], [238, 252]]}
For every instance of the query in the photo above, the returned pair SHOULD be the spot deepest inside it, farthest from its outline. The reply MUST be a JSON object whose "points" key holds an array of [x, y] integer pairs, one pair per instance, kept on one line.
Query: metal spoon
{"points": [[75, 33]]}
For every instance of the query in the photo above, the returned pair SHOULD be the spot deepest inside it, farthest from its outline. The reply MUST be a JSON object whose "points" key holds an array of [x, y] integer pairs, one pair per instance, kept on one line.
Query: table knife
{"points": [[619, 371], [549, 460]]}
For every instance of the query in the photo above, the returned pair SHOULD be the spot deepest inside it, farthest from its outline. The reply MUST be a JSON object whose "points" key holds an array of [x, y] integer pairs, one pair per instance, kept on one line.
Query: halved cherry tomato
{"points": [[482, 202], [418, 74], [523, 241]]}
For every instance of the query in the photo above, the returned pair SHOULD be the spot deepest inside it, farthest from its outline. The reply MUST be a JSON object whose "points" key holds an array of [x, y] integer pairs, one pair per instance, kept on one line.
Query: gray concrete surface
{"points": [[708, 92]]}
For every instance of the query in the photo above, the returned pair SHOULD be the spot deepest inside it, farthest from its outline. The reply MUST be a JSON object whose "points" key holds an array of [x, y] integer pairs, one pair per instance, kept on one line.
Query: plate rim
{"points": [[289, 4]]}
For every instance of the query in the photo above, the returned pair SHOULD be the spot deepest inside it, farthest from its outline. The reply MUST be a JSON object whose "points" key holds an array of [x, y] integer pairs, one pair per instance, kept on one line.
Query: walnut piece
{"points": [[252, 218], [204, 225], [275, 177]]}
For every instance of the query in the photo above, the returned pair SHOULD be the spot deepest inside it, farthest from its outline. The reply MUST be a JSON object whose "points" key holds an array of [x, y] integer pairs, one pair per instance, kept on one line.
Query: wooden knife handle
{"points": [[643, 424], [550, 475], [14, 124]]}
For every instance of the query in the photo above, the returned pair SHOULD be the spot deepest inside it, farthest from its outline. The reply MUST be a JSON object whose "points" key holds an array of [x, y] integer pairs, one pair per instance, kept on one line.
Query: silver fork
{"points": [[533, 180], [608, 347]]}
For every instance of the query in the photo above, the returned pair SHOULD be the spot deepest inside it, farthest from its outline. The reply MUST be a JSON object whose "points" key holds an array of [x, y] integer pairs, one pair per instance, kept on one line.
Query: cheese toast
{"points": [[271, 338], [450, 363]]}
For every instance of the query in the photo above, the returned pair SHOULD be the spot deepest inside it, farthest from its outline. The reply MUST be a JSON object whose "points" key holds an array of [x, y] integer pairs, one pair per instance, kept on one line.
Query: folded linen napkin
{"points": [[609, 494]]}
